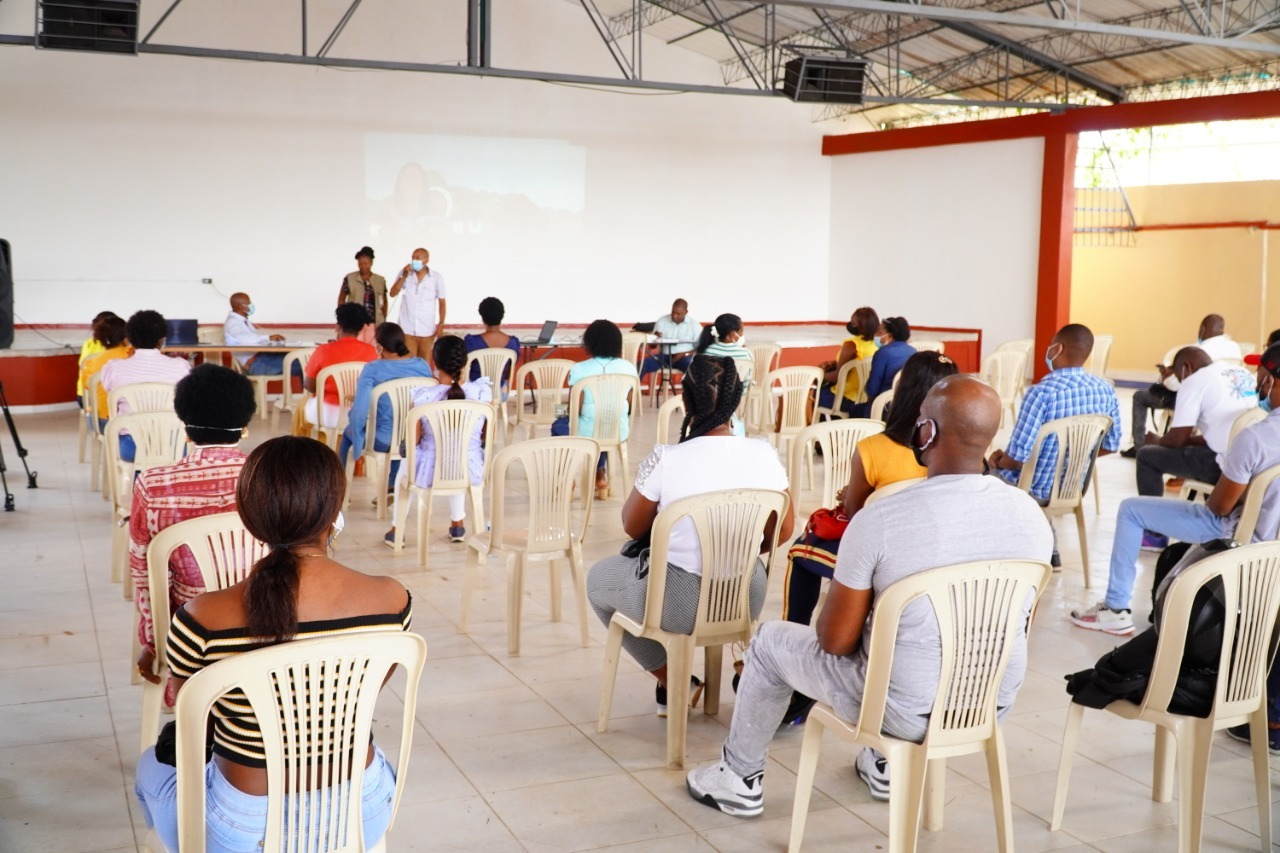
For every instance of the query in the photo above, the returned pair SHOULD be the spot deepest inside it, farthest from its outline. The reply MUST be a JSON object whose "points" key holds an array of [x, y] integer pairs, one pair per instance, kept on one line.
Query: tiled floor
{"points": [[506, 755]]}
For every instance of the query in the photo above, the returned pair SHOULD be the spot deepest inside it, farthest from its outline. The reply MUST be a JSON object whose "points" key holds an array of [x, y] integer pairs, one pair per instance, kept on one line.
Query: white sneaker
{"points": [[1100, 617], [873, 768], [720, 788]]}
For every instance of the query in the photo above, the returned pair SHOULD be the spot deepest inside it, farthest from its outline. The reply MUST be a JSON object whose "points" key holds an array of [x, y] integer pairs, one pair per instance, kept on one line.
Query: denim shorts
{"points": [[235, 821]]}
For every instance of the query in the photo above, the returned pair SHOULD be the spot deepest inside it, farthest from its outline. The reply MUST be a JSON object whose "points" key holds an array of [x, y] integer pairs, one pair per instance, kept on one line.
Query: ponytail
{"points": [[450, 355], [271, 595], [725, 324], [705, 339]]}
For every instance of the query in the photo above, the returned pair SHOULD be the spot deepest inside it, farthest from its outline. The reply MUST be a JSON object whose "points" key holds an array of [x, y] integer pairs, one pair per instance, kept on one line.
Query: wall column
{"points": [[1057, 226]]}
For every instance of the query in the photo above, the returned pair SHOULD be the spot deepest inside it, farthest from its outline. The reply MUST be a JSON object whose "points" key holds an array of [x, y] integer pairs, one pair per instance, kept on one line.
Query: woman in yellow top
{"points": [[861, 343], [110, 332], [92, 346]]}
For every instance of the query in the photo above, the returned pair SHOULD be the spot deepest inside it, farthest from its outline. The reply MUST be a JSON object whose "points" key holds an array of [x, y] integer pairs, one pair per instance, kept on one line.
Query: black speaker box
{"points": [[101, 26], [6, 295], [824, 79]]}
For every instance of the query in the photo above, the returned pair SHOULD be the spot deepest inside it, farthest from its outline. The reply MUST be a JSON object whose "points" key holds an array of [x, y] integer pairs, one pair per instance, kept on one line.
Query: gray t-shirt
{"points": [[1255, 450], [940, 522]]}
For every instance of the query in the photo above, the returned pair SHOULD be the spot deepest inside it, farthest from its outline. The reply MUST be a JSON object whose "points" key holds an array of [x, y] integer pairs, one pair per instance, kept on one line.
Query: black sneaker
{"points": [[1130, 453], [660, 695], [798, 709], [1241, 733]]}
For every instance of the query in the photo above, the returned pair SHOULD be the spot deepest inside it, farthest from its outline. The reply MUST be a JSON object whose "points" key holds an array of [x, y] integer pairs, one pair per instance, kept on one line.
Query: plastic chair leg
{"points": [[1261, 774], [1070, 736], [1162, 766], [679, 667], [908, 766], [553, 578], [579, 577], [477, 508], [1097, 494], [424, 525], [152, 699], [400, 513], [935, 794], [1195, 742], [609, 677], [515, 601], [624, 466], [1084, 541], [809, 752], [713, 664], [471, 566], [998, 770], [84, 434]]}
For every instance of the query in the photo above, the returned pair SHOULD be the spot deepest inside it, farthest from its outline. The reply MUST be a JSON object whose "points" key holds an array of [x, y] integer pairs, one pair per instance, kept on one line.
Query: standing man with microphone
{"points": [[422, 308]]}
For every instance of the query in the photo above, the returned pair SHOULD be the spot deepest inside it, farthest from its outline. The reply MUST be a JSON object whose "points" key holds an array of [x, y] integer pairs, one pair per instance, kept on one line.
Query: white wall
{"points": [[128, 179], [941, 236]]}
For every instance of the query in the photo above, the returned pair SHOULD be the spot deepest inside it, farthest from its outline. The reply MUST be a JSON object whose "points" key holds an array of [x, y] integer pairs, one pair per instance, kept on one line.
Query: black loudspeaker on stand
{"points": [[6, 295]]}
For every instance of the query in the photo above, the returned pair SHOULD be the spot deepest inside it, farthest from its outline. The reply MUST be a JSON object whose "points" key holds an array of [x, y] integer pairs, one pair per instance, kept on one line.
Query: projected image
{"points": [[487, 207]]}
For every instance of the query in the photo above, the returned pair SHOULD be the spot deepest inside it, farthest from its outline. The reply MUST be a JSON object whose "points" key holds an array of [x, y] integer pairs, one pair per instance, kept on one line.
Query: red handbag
{"points": [[829, 523]]}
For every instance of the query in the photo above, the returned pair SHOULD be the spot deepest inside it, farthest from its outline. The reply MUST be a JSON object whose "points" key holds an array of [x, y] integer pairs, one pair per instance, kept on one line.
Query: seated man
{"points": [[1066, 391], [1213, 340], [146, 331], [676, 326], [935, 523], [1210, 397], [239, 331], [216, 406], [352, 319], [1255, 449]]}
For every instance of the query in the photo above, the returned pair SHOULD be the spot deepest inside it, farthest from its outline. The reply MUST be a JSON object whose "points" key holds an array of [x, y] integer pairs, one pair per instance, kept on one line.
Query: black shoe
{"points": [[660, 695], [1241, 733], [1055, 561], [1131, 453], [798, 709]]}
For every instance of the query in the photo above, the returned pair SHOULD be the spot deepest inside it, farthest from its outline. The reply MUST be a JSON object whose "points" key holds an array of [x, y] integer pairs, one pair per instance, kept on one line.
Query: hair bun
{"points": [[365, 250]]}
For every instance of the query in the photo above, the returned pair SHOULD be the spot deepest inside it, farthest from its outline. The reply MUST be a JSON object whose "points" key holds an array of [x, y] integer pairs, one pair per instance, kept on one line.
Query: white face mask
{"points": [[1171, 382]]}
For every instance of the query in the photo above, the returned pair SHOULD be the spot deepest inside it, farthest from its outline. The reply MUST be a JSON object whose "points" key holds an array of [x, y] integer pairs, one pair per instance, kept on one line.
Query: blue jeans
{"points": [[827, 397], [128, 449], [678, 361], [1185, 520], [560, 427], [236, 821], [271, 364]]}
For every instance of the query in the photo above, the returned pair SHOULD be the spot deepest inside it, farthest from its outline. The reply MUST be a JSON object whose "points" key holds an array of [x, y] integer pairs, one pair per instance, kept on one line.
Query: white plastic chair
{"points": [[546, 379], [344, 377], [259, 383], [617, 401], [160, 439], [314, 691], [880, 403], [1078, 440], [1006, 371], [927, 345], [1101, 355], [1024, 346], [766, 356], [1247, 347], [97, 461], [859, 366], [225, 552], [882, 492], [1200, 490], [288, 400], [1250, 578], [141, 397], [838, 440], [553, 468], [399, 394], [634, 347], [499, 364], [979, 608], [1252, 507], [672, 408], [452, 423], [796, 389], [730, 526]]}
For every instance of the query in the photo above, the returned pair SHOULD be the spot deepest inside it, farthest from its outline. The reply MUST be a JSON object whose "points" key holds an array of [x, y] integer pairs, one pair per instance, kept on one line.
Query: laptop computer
{"points": [[544, 337], [181, 333]]}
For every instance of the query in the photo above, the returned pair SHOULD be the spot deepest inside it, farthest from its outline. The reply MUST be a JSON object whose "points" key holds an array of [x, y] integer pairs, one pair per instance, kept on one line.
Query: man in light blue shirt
{"points": [[239, 331], [676, 326]]}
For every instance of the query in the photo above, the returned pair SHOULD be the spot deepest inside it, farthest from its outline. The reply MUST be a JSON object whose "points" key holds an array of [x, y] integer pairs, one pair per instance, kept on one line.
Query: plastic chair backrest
{"points": [[838, 440], [884, 491], [1247, 347], [1078, 438], [880, 403], [979, 607], [730, 526], [1252, 508], [617, 400], [1006, 371], [452, 424], [1022, 345], [315, 691], [496, 363], [159, 438], [1169, 356], [400, 394], [1243, 421], [343, 377], [301, 356], [553, 468], [797, 384], [91, 391], [633, 346], [549, 375], [927, 345], [672, 408], [765, 357], [1251, 584], [142, 397], [1101, 355], [860, 366]]}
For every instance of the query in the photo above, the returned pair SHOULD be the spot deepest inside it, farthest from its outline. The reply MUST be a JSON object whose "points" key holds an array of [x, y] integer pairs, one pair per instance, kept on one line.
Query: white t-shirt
{"points": [[707, 464], [1221, 347], [1210, 399]]}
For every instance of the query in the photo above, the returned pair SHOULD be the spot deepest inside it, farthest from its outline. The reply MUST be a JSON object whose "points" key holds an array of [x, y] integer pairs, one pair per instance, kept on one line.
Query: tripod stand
{"points": [[22, 454]]}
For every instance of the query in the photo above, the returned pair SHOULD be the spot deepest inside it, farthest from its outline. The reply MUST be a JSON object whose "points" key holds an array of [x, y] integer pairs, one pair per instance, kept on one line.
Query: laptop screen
{"points": [[548, 329]]}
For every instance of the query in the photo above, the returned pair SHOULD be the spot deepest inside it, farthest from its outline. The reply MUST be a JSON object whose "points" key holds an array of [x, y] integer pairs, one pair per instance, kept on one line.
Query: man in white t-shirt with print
{"points": [[422, 307], [926, 526]]}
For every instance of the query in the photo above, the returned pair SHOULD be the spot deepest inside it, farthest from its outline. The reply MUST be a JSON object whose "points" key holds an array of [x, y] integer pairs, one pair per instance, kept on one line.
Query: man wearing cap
{"points": [[365, 287], [1254, 450]]}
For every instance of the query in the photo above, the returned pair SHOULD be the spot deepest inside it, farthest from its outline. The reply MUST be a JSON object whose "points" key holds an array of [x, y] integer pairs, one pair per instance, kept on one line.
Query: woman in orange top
{"points": [[110, 332]]}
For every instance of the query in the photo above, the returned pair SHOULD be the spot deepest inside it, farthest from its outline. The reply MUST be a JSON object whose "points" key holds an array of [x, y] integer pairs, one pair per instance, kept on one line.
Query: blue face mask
{"points": [[252, 308], [1048, 359], [417, 265], [879, 342], [1264, 400]]}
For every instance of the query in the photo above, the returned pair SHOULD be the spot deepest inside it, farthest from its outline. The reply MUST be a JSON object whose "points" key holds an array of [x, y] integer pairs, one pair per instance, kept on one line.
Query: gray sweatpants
{"points": [[620, 584], [785, 657]]}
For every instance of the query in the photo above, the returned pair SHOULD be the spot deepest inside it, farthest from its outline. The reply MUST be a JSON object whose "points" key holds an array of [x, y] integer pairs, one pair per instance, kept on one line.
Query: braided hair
{"points": [[711, 394], [450, 355]]}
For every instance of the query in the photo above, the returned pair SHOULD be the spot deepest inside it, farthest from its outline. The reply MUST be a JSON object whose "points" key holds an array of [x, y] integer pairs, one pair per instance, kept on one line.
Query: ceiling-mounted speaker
{"points": [[98, 26], [824, 79]]}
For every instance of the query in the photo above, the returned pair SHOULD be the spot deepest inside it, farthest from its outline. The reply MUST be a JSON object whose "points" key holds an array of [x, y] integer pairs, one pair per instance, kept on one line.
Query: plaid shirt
{"points": [[1063, 393]]}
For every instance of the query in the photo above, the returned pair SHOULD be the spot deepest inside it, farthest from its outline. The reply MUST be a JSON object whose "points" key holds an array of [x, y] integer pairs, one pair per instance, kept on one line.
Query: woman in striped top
{"points": [[725, 338], [289, 495]]}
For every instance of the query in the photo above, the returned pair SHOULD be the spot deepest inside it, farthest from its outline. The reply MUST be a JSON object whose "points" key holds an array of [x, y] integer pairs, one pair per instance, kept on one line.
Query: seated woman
{"points": [[888, 360], [708, 458], [603, 342], [216, 405], [110, 333], [861, 343], [727, 338], [347, 347], [290, 493], [92, 346], [491, 313], [393, 362], [450, 355]]}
